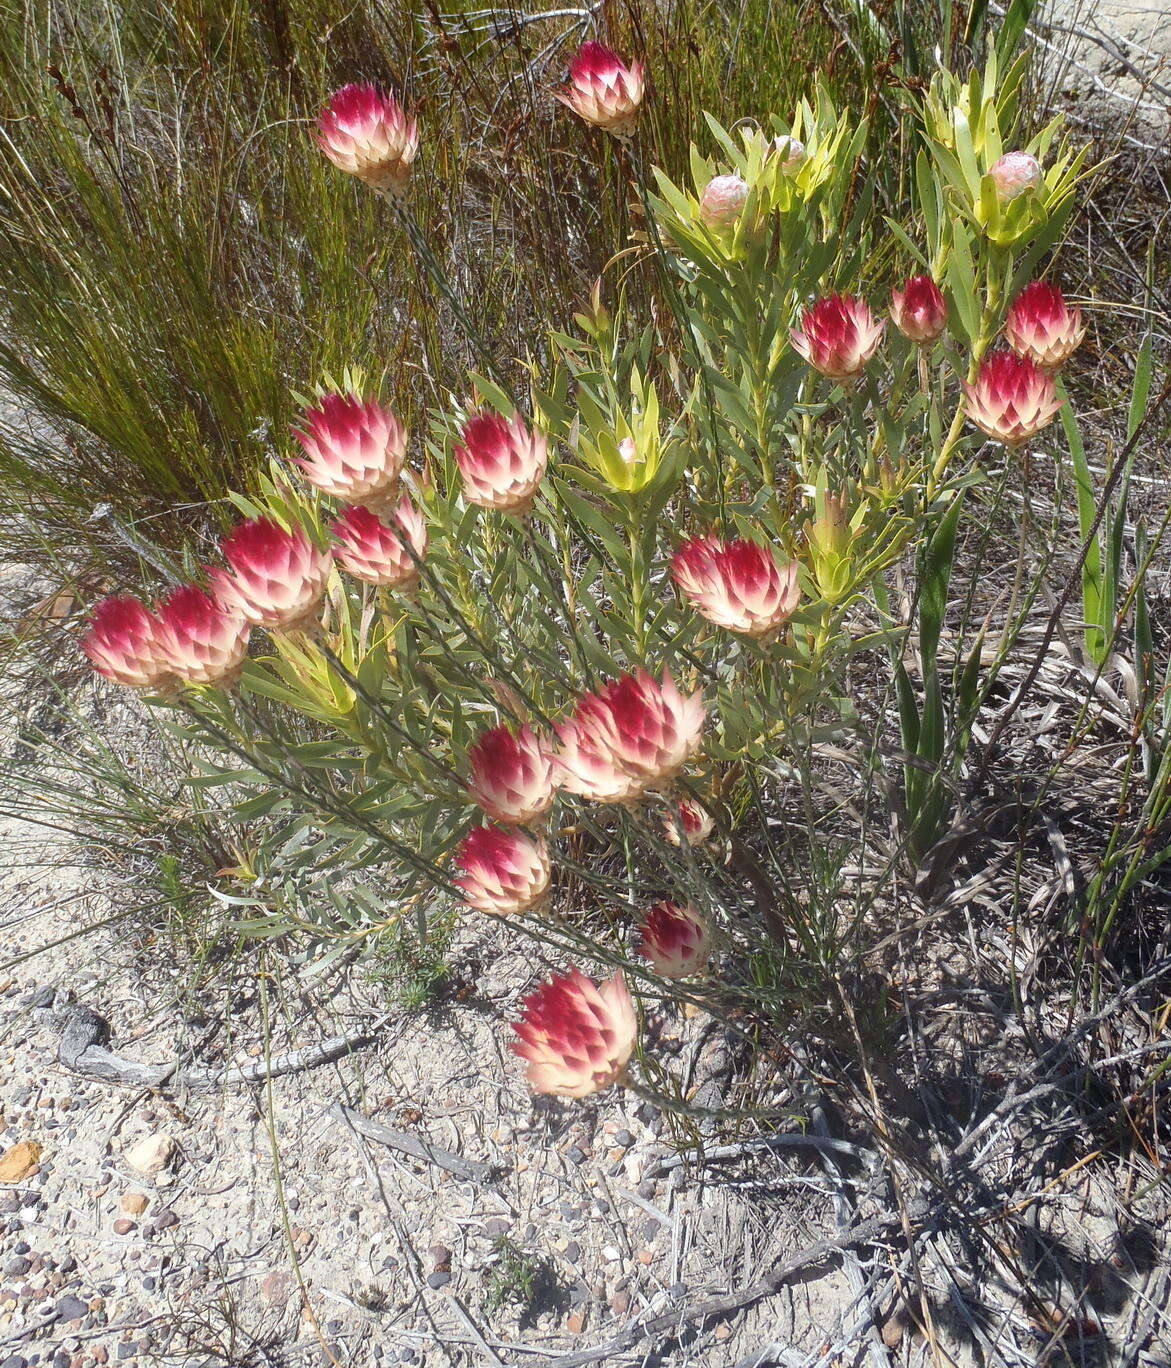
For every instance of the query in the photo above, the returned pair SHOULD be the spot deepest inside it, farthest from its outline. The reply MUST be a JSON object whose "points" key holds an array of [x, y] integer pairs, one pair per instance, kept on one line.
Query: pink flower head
{"points": [[381, 552], [919, 310], [791, 153], [502, 462], [737, 584], [367, 135], [603, 90], [1012, 398], [635, 733], [122, 643], [723, 201], [576, 1035], [512, 774], [838, 335], [504, 872], [1014, 173], [276, 578], [354, 449], [203, 641], [1041, 326], [675, 939], [695, 820]]}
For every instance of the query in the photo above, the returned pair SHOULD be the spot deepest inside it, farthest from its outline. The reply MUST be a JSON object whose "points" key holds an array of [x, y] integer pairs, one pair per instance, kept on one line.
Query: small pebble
{"points": [[438, 1279]]}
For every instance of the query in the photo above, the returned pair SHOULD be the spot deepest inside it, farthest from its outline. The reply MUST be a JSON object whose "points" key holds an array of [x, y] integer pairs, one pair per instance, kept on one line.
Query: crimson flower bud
{"points": [[512, 774], [277, 577], [737, 584], [695, 820], [123, 644], [1012, 398], [1041, 326], [576, 1035], [675, 939], [633, 734], [603, 90], [354, 449], [502, 462], [386, 553], [367, 135], [204, 641], [504, 872], [838, 335], [919, 310]]}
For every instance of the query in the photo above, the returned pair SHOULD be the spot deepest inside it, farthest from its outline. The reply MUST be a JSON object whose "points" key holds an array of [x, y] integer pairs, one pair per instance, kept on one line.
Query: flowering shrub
{"points": [[616, 609]]}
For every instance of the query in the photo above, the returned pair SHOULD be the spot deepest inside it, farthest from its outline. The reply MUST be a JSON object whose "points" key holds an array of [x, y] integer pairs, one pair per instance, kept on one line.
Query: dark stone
{"points": [[22, 1248], [575, 1155], [650, 1228], [677, 1291], [573, 1251], [496, 1226], [14, 1361], [126, 1351], [16, 1268], [624, 1138], [646, 1189], [438, 1279], [165, 1219], [71, 1308]]}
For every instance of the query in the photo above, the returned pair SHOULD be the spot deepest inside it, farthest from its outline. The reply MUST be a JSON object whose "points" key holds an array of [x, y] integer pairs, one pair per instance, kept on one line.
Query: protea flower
{"points": [[378, 552], [123, 644], [1041, 326], [737, 584], [696, 822], [603, 90], [576, 1035], [502, 462], [204, 641], [675, 939], [1012, 398], [919, 310], [635, 733], [1014, 173], [723, 201], [354, 449], [790, 152], [277, 577], [368, 135], [838, 335], [512, 774], [504, 872]]}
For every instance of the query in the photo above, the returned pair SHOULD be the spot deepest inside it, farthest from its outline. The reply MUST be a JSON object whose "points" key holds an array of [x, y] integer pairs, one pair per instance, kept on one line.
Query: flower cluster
{"points": [[502, 462], [1042, 327], [504, 872], [676, 940], [354, 449]]}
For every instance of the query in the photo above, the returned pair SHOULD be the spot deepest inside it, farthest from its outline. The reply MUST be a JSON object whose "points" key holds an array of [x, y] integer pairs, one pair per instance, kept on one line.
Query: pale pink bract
{"points": [[502, 462], [203, 641]]}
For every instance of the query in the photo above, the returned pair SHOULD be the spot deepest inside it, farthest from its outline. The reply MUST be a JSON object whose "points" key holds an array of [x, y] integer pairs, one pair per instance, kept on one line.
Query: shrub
{"points": [[593, 640]]}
